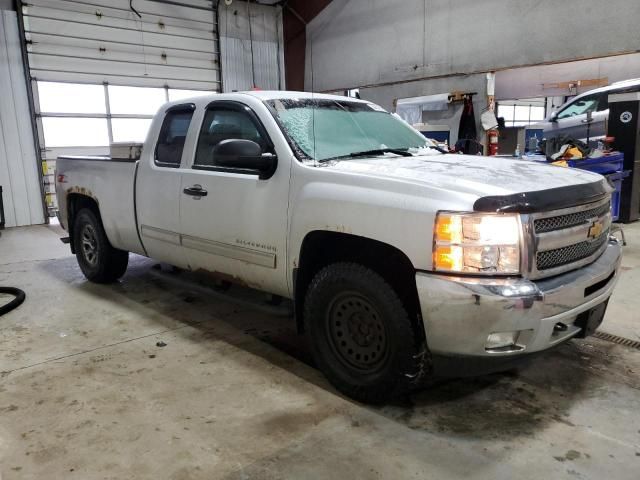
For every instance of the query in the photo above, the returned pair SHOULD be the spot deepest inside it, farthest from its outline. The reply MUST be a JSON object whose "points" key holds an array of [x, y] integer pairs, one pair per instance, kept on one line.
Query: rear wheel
{"points": [[361, 334], [99, 261]]}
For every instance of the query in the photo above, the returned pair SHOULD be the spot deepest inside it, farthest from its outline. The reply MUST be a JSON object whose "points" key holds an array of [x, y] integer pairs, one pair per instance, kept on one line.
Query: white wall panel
{"points": [[44, 45], [237, 64], [529, 82], [250, 46], [18, 167], [49, 66], [266, 64], [368, 43]]}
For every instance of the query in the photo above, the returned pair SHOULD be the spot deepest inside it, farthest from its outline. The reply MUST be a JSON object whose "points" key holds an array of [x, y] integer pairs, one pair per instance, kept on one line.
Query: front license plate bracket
{"points": [[590, 320]]}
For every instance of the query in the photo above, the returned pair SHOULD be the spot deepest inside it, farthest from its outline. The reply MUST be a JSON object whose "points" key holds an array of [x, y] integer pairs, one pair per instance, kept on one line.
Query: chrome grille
{"points": [[569, 254], [559, 222], [569, 238]]}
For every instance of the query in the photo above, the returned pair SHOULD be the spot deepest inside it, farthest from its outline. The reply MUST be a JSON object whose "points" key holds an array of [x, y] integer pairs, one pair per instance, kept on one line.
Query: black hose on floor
{"points": [[16, 292], [15, 303]]}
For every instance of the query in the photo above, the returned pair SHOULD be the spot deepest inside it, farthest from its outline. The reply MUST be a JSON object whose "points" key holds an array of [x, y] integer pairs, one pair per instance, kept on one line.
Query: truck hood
{"points": [[474, 175]]}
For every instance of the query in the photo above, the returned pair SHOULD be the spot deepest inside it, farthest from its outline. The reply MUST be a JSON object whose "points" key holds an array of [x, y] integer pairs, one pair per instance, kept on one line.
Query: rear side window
{"points": [[173, 134]]}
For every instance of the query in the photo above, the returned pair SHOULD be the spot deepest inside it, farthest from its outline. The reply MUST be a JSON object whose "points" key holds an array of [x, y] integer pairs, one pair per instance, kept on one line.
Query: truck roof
{"points": [[621, 85], [276, 94], [263, 95]]}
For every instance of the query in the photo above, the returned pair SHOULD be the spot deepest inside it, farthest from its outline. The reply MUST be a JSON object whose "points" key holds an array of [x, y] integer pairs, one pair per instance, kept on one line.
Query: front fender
{"points": [[403, 220]]}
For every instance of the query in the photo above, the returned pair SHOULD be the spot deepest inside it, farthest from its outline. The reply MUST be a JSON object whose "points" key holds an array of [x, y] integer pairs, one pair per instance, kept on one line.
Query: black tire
{"points": [[361, 335], [98, 260]]}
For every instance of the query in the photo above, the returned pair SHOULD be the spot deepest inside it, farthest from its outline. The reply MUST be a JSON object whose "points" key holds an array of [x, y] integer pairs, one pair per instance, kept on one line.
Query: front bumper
{"points": [[459, 313]]}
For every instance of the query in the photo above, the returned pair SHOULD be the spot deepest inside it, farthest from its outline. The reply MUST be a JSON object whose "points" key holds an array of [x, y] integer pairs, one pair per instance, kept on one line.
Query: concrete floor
{"points": [[85, 392]]}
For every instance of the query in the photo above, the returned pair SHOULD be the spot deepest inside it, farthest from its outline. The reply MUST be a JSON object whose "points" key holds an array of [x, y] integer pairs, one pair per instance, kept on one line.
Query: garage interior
{"points": [[163, 375]]}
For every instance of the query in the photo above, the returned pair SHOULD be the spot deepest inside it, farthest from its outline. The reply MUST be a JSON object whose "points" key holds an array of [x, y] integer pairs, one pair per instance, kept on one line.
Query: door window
{"points": [[224, 123], [580, 107], [173, 134]]}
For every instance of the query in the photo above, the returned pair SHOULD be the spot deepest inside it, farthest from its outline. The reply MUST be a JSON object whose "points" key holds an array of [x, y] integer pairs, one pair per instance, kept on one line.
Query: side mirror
{"points": [[554, 117], [245, 154]]}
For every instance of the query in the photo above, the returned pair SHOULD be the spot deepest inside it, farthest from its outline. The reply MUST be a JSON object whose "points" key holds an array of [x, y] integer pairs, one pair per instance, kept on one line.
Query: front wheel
{"points": [[361, 334], [98, 260]]}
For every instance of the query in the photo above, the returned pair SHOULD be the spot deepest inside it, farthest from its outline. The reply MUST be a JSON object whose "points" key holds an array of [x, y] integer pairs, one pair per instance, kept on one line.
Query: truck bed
{"points": [[111, 182]]}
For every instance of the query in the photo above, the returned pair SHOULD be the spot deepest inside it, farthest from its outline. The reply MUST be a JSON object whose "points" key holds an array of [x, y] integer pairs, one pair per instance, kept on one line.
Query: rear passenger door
{"points": [[158, 191], [233, 223]]}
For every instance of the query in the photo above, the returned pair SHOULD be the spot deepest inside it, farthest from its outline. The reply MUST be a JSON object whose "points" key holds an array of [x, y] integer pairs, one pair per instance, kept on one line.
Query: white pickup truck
{"points": [[402, 261]]}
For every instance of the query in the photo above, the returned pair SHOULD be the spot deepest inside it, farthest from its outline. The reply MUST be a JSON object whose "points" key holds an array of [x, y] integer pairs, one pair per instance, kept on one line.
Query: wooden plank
{"points": [[590, 82]]}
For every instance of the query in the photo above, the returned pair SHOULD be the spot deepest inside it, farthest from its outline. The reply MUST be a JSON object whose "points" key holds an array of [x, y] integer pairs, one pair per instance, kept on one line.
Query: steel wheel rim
{"points": [[89, 244], [357, 333]]}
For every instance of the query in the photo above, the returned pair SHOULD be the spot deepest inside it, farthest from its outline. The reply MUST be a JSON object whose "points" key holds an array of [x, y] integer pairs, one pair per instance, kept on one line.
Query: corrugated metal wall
{"points": [[18, 167], [98, 41], [250, 46]]}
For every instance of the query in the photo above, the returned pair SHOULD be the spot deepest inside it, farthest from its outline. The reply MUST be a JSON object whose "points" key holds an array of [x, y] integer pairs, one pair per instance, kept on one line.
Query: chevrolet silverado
{"points": [[402, 260]]}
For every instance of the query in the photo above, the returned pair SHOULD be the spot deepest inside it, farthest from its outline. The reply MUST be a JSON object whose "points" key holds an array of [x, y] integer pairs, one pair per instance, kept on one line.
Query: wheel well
{"points": [[321, 248], [75, 203]]}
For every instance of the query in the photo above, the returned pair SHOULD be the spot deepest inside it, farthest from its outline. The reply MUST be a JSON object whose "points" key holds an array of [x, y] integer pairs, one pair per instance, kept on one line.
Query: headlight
{"points": [[476, 243]]}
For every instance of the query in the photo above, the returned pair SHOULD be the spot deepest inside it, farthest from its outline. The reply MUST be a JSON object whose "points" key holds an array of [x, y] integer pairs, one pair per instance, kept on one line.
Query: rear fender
{"points": [[77, 199]]}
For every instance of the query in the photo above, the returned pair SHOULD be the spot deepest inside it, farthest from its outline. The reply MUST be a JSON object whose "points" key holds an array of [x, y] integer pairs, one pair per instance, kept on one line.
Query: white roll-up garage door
{"points": [[153, 44], [101, 68]]}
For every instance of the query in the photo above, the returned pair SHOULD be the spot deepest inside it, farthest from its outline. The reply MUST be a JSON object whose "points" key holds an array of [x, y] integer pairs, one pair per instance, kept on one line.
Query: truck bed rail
{"points": [[96, 158]]}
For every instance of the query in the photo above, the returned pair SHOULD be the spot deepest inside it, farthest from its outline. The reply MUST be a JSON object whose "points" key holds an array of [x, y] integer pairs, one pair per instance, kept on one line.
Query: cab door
{"points": [[232, 222], [158, 193]]}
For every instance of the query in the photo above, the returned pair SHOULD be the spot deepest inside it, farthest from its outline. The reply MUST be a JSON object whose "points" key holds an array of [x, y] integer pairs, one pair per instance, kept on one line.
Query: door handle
{"points": [[195, 191]]}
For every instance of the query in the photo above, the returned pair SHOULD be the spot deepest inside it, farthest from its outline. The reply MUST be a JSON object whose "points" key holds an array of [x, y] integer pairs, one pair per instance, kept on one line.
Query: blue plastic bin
{"points": [[611, 166], [602, 165]]}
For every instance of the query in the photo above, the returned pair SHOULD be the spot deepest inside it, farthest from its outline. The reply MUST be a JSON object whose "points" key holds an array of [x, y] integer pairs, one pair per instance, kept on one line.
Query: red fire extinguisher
{"points": [[493, 141]]}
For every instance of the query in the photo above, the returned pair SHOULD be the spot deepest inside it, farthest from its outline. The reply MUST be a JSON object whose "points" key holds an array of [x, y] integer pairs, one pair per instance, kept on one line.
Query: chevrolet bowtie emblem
{"points": [[595, 229]]}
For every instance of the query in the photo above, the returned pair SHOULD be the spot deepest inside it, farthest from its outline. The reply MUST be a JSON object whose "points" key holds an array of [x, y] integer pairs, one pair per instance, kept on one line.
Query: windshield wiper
{"points": [[440, 149], [376, 151], [380, 151]]}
